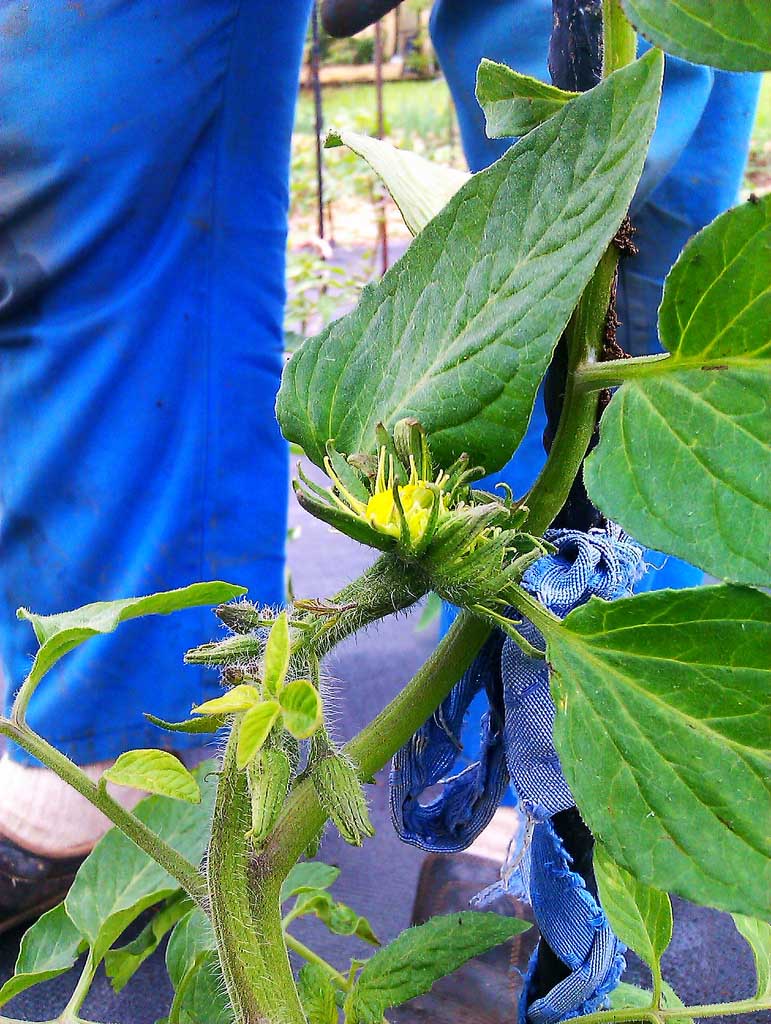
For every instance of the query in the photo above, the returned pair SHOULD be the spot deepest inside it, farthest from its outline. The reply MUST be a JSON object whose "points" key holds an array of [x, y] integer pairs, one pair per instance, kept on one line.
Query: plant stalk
{"points": [[245, 910], [177, 866], [585, 335]]}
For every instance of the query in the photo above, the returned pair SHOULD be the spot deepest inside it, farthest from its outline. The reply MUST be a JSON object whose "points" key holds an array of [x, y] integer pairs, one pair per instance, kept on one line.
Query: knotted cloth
{"points": [[517, 749]]}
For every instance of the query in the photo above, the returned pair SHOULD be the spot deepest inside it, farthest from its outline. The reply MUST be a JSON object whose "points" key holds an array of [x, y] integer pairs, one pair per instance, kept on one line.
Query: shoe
{"points": [[30, 884]]}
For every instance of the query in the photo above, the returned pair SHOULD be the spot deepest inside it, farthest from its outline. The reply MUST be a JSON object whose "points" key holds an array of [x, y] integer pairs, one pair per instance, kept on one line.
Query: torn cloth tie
{"points": [[517, 749]]}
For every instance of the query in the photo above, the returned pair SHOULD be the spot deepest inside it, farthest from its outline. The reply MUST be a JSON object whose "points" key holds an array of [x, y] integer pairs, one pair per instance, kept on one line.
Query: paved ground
{"points": [[381, 878]]}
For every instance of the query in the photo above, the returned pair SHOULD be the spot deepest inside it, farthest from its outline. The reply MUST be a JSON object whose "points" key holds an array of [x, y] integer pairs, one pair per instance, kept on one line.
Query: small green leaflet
{"points": [[639, 915], [276, 655], [758, 935], [308, 875], [254, 729], [662, 729], [317, 995], [339, 918], [117, 881], [410, 965], [58, 634], [735, 35], [514, 103], [419, 187], [460, 331], [684, 458], [155, 771], [49, 948], [301, 707], [240, 698], [191, 725]]}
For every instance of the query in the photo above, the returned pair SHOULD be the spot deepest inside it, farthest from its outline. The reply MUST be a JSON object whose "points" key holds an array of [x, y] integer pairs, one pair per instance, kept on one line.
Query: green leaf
{"points": [[317, 995], [239, 698], [758, 935], [201, 997], [155, 771], [254, 730], [303, 877], [410, 965], [432, 609], [58, 634], [301, 706], [49, 948], [276, 655], [640, 915], [459, 332], [192, 937], [735, 36], [419, 187], [191, 725], [514, 103], [685, 453], [121, 964], [117, 881], [338, 917], [663, 734]]}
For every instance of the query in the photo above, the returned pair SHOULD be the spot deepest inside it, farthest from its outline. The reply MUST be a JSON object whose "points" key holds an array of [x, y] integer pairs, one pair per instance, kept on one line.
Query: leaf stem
{"points": [[619, 40], [660, 1016], [593, 376], [177, 866], [585, 334], [313, 958], [69, 1014]]}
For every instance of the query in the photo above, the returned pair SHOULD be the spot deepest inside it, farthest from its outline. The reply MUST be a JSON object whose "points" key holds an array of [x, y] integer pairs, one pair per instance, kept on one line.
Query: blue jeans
{"points": [[144, 149]]}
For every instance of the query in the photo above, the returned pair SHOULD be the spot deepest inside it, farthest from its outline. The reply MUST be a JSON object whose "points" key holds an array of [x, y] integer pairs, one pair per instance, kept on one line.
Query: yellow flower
{"points": [[416, 499]]}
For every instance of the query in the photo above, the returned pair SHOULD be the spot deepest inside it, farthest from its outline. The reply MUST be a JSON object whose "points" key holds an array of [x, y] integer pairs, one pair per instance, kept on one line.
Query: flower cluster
{"points": [[467, 542]]}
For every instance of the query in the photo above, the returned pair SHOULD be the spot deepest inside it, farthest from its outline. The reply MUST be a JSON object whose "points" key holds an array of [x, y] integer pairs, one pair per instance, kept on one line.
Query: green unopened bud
{"points": [[242, 617], [412, 448], [269, 775], [339, 790]]}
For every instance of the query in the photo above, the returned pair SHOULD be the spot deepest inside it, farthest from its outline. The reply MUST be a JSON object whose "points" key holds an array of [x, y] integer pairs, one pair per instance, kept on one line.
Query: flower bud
{"points": [[268, 775], [339, 790]]}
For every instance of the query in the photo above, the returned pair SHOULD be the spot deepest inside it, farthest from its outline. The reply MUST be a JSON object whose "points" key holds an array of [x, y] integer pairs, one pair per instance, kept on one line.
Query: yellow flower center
{"points": [[416, 499]]}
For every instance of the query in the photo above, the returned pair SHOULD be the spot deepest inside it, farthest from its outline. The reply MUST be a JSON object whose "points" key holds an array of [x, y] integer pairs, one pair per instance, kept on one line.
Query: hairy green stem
{"points": [[389, 585], [313, 958], [375, 745], [660, 1016], [593, 376], [177, 866], [245, 910]]}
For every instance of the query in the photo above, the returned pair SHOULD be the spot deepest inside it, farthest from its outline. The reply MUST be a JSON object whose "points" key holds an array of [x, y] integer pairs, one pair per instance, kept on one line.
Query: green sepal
{"points": [[348, 524], [207, 724], [348, 476], [339, 790], [269, 774]]}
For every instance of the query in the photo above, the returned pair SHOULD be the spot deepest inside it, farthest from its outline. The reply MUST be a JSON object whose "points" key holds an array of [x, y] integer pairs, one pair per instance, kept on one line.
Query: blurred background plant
{"points": [[325, 276]]}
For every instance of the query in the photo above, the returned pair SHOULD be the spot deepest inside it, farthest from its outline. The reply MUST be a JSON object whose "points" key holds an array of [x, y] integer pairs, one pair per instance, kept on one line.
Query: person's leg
{"points": [[144, 153]]}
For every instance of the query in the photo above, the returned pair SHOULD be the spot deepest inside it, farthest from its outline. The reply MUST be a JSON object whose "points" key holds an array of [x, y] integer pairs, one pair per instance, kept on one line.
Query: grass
{"points": [[414, 111]]}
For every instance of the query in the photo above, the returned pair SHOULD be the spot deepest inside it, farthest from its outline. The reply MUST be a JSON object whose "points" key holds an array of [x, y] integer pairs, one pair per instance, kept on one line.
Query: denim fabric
{"points": [[453, 819], [603, 563], [143, 215], [572, 922]]}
